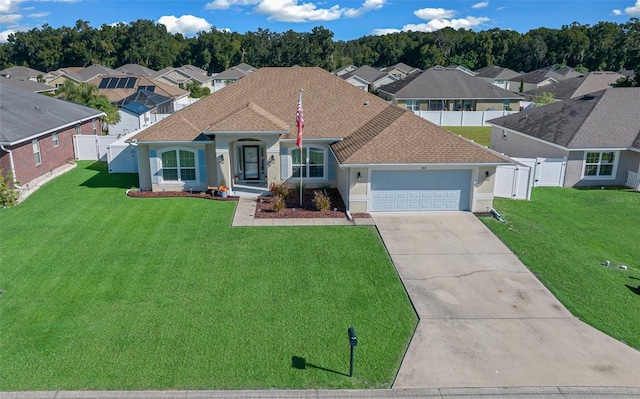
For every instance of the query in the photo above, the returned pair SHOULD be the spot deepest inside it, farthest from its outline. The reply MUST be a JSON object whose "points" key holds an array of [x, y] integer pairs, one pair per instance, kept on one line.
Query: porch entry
{"points": [[250, 162]]}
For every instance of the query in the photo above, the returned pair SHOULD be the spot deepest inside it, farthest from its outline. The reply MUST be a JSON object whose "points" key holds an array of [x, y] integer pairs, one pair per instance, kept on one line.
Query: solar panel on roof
{"points": [[122, 82], [112, 83], [131, 83], [103, 83]]}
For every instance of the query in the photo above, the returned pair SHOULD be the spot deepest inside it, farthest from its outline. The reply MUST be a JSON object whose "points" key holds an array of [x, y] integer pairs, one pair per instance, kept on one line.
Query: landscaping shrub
{"points": [[321, 200], [278, 203], [279, 188], [8, 194]]}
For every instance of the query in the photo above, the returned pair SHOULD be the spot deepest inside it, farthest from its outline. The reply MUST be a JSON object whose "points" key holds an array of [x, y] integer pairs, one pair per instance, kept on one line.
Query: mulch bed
{"points": [[264, 207], [162, 194]]}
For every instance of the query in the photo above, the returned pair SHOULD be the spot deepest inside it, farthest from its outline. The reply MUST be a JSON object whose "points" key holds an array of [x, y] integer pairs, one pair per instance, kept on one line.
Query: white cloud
{"points": [[368, 5], [186, 24], [482, 4], [39, 14], [225, 4], [7, 6], [4, 35], [434, 13], [436, 24], [633, 11], [10, 19], [500, 8], [617, 12]]}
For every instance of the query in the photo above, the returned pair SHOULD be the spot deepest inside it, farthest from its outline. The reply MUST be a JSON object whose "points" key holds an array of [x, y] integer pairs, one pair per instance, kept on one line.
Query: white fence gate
{"points": [[516, 181], [91, 147]]}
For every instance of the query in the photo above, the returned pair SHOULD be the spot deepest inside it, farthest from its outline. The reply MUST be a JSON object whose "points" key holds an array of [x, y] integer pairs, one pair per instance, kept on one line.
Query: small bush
{"points": [[324, 187], [278, 203], [279, 188], [321, 200], [8, 194]]}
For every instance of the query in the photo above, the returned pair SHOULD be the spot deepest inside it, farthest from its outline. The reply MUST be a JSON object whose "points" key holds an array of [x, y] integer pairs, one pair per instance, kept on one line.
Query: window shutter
{"points": [[331, 165], [153, 164], [284, 163], [202, 168]]}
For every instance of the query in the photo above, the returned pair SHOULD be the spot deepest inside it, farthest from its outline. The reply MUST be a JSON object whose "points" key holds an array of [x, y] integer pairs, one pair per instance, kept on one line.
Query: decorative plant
{"points": [[278, 203], [321, 200], [279, 188], [8, 194], [223, 187]]}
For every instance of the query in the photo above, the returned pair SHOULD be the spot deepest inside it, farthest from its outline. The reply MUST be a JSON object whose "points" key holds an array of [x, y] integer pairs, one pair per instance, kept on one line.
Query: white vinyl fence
{"points": [[515, 181], [91, 147], [461, 118]]}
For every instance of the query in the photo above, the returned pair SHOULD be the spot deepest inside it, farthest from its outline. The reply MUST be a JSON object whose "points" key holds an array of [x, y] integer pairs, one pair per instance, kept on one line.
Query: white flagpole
{"points": [[301, 163]]}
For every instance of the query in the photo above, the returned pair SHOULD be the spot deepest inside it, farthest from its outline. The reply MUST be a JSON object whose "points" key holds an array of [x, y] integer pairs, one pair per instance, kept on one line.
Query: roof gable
{"points": [[250, 117]]}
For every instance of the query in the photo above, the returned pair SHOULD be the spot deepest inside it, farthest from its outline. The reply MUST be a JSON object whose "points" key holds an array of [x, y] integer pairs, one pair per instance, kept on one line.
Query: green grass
{"points": [[564, 236], [104, 291], [479, 134]]}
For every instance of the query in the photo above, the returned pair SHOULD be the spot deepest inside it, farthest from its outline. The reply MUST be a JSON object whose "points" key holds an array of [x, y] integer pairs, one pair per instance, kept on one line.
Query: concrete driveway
{"points": [[485, 320]]}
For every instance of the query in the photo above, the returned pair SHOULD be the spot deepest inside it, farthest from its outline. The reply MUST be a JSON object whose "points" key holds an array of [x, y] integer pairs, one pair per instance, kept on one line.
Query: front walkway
{"points": [[485, 320], [246, 209]]}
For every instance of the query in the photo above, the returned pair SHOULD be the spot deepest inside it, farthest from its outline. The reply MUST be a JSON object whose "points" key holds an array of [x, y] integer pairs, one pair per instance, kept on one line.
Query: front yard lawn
{"points": [[104, 291], [479, 134], [564, 236]]}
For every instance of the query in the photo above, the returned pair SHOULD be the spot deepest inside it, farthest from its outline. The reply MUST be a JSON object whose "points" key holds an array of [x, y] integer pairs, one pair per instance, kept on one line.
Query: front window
{"points": [[36, 152], [178, 165], [599, 164], [505, 104], [413, 105], [55, 139], [94, 126], [311, 164], [436, 105]]}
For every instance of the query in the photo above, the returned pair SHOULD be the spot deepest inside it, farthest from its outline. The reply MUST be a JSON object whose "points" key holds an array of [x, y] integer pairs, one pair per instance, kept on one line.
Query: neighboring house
{"points": [[135, 69], [118, 87], [79, 74], [133, 116], [158, 104], [379, 156], [496, 75], [367, 77], [447, 89], [542, 77], [598, 133], [576, 87], [561, 72], [344, 69], [183, 75], [29, 85], [400, 70], [36, 132], [22, 73], [231, 75]]}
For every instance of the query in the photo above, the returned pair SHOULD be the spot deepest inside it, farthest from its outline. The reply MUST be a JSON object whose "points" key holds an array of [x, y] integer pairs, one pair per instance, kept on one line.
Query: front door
{"points": [[251, 162]]}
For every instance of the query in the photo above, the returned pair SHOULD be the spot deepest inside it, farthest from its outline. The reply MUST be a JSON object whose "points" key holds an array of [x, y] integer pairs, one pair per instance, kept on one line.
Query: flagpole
{"points": [[301, 163]]}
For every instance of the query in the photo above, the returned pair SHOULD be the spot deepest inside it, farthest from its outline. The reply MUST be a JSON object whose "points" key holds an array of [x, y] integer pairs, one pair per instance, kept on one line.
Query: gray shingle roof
{"points": [[445, 83], [135, 69], [604, 119], [21, 72], [496, 72], [29, 85], [25, 114], [578, 86], [366, 73]]}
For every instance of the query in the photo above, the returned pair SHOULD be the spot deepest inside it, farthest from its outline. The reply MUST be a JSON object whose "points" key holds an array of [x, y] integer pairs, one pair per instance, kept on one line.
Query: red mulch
{"points": [[161, 194], [264, 207]]}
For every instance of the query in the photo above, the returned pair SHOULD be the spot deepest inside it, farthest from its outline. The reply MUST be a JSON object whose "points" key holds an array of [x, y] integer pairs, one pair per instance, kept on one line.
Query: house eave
{"points": [[225, 133], [61, 127], [530, 137], [425, 164]]}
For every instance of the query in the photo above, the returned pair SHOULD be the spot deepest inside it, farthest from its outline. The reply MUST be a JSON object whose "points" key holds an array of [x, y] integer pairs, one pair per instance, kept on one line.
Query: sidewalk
{"points": [[246, 209]]}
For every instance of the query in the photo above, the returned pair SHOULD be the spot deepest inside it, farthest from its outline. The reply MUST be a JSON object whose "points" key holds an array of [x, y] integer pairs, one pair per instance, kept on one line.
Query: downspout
{"points": [[13, 169]]}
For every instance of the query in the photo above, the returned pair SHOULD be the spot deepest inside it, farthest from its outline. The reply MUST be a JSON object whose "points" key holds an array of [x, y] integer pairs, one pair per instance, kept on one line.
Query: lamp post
{"points": [[353, 342]]}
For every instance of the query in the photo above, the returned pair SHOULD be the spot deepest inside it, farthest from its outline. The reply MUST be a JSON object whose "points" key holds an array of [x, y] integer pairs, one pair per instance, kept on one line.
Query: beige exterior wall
{"points": [[359, 190], [496, 105], [144, 170], [627, 161], [522, 146]]}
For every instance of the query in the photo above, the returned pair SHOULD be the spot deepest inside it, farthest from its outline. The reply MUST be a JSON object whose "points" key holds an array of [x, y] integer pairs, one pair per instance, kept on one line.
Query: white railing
{"points": [[633, 180], [461, 118]]}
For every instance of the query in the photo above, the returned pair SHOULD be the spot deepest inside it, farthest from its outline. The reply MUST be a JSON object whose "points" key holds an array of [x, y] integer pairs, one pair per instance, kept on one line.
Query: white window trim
{"points": [[35, 144], [55, 140], [616, 155], [324, 165], [415, 105], [161, 179]]}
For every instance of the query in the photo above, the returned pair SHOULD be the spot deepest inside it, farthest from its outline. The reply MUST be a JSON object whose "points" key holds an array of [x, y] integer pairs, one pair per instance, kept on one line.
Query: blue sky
{"points": [[347, 19]]}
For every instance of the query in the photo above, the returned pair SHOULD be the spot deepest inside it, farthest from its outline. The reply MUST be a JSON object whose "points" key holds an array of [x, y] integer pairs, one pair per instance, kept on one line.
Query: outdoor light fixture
{"points": [[359, 176], [221, 158], [272, 158], [487, 175]]}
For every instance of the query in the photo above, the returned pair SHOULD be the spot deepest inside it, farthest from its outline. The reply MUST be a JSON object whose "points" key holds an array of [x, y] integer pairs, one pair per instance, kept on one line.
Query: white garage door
{"points": [[420, 190]]}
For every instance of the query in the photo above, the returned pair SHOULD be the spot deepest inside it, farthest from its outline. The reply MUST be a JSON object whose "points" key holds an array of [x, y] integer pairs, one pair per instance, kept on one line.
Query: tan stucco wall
{"points": [[144, 171], [627, 160]]}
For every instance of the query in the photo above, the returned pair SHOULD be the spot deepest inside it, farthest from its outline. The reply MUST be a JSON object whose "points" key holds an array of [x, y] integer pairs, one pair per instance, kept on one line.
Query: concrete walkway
{"points": [[485, 320], [246, 209]]}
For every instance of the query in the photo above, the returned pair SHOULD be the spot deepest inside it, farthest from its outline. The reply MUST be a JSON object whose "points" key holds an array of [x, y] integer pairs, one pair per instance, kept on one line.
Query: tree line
{"points": [[603, 46]]}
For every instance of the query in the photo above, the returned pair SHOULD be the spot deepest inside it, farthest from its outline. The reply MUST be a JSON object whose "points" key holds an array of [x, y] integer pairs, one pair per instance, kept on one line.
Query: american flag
{"points": [[299, 122]]}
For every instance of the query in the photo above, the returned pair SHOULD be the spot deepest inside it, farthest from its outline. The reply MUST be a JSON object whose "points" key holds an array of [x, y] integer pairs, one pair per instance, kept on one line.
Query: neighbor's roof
{"points": [[445, 83], [135, 69], [496, 72], [29, 85], [366, 73], [534, 77], [235, 72], [21, 72], [136, 108], [118, 94], [604, 119], [578, 86], [80, 74], [374, 131], [401, 67], [26, 115], [145, 97]]}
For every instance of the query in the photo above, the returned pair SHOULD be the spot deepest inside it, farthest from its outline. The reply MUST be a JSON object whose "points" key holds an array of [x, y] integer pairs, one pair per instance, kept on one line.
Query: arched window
{"points": [[311, 164], [178, 165]]}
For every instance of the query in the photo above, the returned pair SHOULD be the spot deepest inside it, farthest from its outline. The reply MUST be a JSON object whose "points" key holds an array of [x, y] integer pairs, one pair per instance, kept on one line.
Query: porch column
{"points": [[224, 166]]}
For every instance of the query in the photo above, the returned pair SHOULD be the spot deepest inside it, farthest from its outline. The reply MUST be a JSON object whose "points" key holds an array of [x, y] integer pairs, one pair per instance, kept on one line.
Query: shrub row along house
{"points": [[381, 157]]}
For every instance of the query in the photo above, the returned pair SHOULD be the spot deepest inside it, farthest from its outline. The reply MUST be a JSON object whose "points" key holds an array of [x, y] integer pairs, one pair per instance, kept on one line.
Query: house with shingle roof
{"points": [[400, 70], [367, 77], [598, 133], [29, 85], [496, 75], [181, 76], [541, 77], [37, 130], [380, 157], [79, 74], [231, 75], [22, 73], [447, 89], [576, 87], [136, 69]]}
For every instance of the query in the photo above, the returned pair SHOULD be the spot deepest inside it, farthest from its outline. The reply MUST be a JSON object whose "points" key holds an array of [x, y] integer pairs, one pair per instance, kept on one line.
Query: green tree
{"points": [[8, 194], [543, 99], [196, 90], [89, 95]]}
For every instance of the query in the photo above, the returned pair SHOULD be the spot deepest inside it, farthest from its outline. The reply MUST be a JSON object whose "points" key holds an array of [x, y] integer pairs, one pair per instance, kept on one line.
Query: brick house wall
{"points": [[51, 156]]}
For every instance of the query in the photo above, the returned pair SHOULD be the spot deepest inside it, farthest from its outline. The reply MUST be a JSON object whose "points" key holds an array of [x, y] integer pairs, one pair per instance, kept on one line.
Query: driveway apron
{"points": [[485, 320]]}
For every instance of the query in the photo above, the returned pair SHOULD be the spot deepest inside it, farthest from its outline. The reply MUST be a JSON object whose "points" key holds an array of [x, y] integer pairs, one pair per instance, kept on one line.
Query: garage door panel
{"points": [[420, 190]]}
